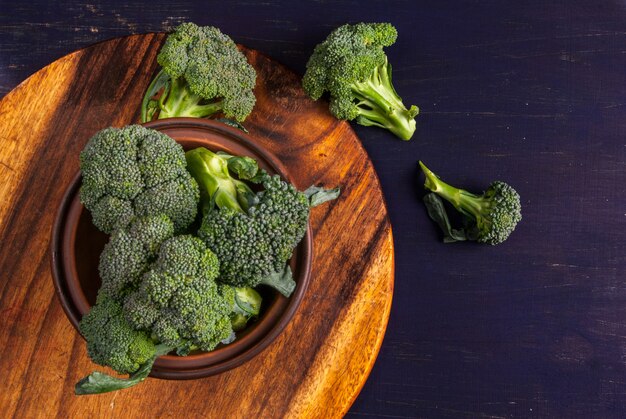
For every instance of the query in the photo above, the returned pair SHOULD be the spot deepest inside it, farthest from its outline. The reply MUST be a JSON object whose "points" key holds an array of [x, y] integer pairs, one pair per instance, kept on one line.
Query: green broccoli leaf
{"points": [[437, 212], [318, 195], [98, 382], [281, 281]]}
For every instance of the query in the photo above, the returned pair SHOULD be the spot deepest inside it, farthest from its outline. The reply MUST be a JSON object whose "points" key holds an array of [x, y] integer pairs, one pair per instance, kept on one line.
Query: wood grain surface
{"points": [[319, 363]]}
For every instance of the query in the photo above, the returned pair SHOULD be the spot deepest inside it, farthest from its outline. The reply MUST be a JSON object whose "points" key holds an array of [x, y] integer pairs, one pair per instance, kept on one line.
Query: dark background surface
{"points": [[532, 93]]}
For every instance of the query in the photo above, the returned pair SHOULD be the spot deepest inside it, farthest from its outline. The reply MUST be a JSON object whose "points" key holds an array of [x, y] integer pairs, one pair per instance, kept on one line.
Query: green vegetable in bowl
{"points": [[136, 171], [111, 340], [178, 299], [203, 74], [489, 218], [253, 234], [159, 294], [352, 66]]}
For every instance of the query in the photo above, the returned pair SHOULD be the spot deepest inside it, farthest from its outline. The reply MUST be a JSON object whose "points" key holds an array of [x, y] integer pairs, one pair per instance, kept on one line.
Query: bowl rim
{"points": [[74, 302]]}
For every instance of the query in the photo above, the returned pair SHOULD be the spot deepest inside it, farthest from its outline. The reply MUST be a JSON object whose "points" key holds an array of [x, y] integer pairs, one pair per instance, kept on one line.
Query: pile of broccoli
{"points": [[159, 294], [175, 278], [203, 74], [353, 68], [192, 234]]}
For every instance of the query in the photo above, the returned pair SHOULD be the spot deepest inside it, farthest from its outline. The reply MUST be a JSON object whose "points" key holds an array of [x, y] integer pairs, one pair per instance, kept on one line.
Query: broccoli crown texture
{"points": [[253, 247], [352, 66], [493, 215], [130, 251], [111, 341], [203, 73], [178, 299], [136, 171]]}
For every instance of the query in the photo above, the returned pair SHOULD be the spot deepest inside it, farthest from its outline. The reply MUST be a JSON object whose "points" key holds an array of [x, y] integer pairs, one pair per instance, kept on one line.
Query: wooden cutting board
{"points": [[315, 368]]}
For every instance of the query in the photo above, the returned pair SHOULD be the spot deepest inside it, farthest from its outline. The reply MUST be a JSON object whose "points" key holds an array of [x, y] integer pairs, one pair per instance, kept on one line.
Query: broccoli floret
{"points": [[491, 217], [111, 341], [254, 246], [129, 252], [136, 171], [352, 66], [203, 73], [158, 294], [253, 234], [178, 299]]}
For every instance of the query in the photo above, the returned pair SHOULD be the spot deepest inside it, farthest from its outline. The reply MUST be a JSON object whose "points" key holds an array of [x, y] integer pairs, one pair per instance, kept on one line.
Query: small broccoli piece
{"points": [[491, 217], [211, 171], [136, 171], [129, 252], [254, 246], [246, 304], [352, 66], [203, 74], [178, 299], [111, 341], [318, 195]]}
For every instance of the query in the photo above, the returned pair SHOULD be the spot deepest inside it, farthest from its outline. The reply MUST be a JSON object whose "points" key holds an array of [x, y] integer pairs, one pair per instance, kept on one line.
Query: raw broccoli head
{"points": [[130, 251], [111, 341], [203, 73], [254, 246], [492, 216], [252, 233], [178, 299], [352, 66], [136, 171]]}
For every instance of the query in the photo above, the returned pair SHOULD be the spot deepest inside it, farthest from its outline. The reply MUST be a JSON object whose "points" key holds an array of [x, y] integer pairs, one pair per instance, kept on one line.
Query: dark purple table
{"points": [[533, 93]]}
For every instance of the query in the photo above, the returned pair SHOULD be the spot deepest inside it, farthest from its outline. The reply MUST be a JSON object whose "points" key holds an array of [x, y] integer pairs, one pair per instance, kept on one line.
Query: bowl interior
{"points": [[77, 245]]}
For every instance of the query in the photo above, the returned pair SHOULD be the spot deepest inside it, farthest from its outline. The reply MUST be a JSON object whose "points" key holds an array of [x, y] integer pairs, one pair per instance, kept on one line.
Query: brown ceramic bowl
{"points": [[76, 246]]}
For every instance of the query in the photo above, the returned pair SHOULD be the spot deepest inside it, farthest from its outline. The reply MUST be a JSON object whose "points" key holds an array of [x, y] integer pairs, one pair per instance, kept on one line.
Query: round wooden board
{"points": [[315, 368]]}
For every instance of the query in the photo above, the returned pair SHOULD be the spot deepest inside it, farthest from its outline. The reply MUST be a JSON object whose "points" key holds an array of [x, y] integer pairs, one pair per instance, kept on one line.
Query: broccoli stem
{"points": [[182, 102], [216, 184], [465, 202], [98, 382], [379, 104], [247, 306], [149, 105]]}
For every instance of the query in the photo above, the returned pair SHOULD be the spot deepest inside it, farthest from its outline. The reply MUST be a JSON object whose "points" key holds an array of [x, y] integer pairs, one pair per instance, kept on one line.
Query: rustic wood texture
{"points": [[319, 363]]}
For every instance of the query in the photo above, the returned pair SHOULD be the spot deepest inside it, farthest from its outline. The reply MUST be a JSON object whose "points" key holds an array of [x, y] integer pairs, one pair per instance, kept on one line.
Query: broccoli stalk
{"points": [[246, 306], [491, 217], [352, 66], [379, 105], [203, 74], [216, 183], [176, 100]]}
